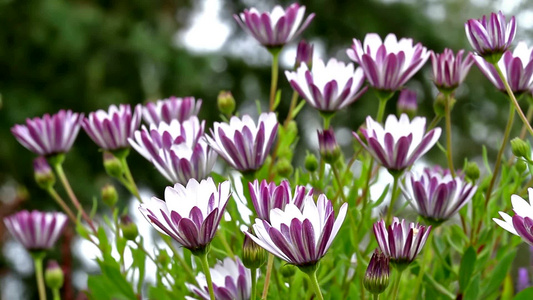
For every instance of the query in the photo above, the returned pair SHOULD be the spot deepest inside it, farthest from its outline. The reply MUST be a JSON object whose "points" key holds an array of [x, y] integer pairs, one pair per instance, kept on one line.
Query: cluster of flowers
{"points": [[298, 227]]}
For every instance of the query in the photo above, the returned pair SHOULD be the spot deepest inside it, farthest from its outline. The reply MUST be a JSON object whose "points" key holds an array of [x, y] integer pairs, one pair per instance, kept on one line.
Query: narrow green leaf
{"points": [[437, 286], [466, 269], [472, 291], [526, 294], [498, 274]]}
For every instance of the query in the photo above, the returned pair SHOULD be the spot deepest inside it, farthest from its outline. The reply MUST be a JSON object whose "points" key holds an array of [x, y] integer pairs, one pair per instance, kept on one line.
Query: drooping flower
{"points": [[388, 64], [517, 69], [36, 230], [169, 109], [177, 150], [328, 146], [491, 36], [300, 237], [435, 194], [407, 103], [49, 135], [276, 28], [521, 223], [243, 144], [401, 241], [110, 130], [304, 54], [231, 281], [328, 87], [449, 71], [376, 278], [189, 214], [399, 143], [267, 196]]}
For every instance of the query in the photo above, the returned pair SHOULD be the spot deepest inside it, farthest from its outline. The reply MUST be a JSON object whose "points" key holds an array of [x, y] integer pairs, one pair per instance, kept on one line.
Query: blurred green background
{"points": [[86, 55]]}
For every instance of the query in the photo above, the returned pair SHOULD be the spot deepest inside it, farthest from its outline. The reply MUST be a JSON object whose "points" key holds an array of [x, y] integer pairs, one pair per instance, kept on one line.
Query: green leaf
{"points": [[437, 286], [472, 291], [498, 274], [526, 294], [466, 269]]}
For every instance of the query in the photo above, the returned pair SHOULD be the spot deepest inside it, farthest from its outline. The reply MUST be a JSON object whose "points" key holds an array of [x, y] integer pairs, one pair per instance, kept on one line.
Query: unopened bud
{"points": [[304, 54], [53, 276], [407, 103], [129, 229], [253, 256], [284, 167], [329, 149], [520, 166], [226, 103], [44, 176], [520, 148], [112, 165], [311, 162], [376, 277], [109, 195], [472, 171], [287, 271]]}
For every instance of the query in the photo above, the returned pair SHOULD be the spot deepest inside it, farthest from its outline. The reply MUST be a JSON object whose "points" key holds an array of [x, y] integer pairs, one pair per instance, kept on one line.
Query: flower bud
{"points": [[407, 103], [284, 167], [109, 195], [226, 103], [128, 228], [253, 256], [311, 162], [472, 171], [304, 54], [43, 174], [329, 149], [163, 258], [520, 148], [520, 166], [53, 275], [376, 277], [112, 165], [288, 270]]}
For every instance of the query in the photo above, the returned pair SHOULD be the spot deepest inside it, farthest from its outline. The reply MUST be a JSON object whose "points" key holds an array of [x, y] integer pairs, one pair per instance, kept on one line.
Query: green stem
{"points": [[376, 297], [56, 295], [254, 283], [447, 109], [425, 262], [38, 261], [274, 83], [177, 255], [131, 186], [327, 119], [513, 98], [393, 197], [62, 203], [383, 98], [396, 287], [270, 265], [290, 116], [366, 191], [339, 182], [434, 122], [314, 283], [506, 135], [207, 272]]}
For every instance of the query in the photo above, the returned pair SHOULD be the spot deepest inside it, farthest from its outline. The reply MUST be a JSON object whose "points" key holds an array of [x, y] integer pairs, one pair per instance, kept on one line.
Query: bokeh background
{"points": [[85, 55]]}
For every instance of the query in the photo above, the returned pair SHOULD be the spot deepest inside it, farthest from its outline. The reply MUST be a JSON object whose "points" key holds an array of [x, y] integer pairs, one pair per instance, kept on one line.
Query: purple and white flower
{"points": [[169, 109], [304, 54], [521, 223], [328, 87], [177, 150], [450, 71], [388, 64], [435, 194], [267, 196], [231, 281], [276, 28], [517, 69], [328, 146], [377, 274], [243, 144], [407, 103], [110, 130], [399, 143], [401, 241], [36, 230], [300, 237], [491, 35], [189, 214], [49, 135]]}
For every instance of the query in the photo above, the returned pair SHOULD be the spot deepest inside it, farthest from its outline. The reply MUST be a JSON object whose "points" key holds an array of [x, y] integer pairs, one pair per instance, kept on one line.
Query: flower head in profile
{"points": [[110, 130], [36, 230], [304, 54], [328, 146], [267, 196], [450, 71], [49, 135], [399, 143], [300, 237], [388, 64], [189, 214], [328, 87], [169, 109], [231, 281], [521, 223], [243, 144], [407, 103], [276, 28], [177, 150], [401, 241], [436, 195], [491, 36], [516, 66]]}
